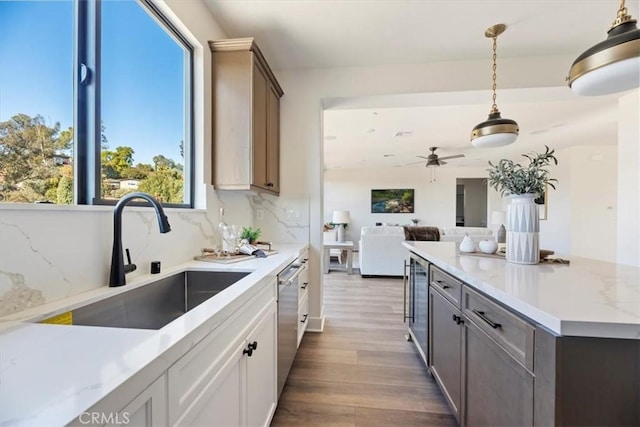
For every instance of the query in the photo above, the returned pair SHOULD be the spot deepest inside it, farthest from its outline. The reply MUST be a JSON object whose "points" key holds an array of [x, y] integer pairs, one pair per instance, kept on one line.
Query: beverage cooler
{"points": [[417, 302]]}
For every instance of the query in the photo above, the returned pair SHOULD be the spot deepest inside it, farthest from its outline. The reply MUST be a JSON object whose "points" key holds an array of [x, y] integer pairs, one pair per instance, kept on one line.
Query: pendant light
{"points": [[612, 65], [495, 131]]}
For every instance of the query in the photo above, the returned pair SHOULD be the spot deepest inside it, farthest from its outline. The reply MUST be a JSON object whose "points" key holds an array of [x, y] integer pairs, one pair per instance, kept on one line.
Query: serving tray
{"points": [[222, 259]]}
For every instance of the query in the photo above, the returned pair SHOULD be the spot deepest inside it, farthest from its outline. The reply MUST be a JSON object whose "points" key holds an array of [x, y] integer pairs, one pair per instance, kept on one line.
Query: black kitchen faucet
{"points": [[118, 268]]}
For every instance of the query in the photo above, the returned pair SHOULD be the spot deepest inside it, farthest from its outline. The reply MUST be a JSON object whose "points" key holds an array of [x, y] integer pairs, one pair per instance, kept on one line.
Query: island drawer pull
{"points": [[441, 284], [481, 315]]}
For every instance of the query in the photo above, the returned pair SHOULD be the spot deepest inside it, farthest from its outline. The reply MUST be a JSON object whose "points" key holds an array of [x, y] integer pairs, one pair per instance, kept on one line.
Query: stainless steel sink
{"points": [[156, 304]]}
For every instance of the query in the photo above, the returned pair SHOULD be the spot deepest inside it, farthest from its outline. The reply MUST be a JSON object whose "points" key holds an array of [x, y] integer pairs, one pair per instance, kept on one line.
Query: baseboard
{"points": [[316, 324]]}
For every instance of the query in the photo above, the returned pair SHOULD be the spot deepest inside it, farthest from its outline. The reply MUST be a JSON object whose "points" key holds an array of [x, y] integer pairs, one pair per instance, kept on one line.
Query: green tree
{"points": [[64, 191], [166, 185], [116, 163], [28, 150], [162, 162], [139, 171]]}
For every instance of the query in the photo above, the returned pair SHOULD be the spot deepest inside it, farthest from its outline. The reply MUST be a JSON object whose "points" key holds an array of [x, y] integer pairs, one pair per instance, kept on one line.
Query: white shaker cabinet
{"points": [[229, 378], [147, 409], [303, 296]]}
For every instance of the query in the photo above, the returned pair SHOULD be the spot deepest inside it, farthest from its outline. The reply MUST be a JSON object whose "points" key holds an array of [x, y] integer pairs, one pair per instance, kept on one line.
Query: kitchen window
{"points": [[95, 103]]}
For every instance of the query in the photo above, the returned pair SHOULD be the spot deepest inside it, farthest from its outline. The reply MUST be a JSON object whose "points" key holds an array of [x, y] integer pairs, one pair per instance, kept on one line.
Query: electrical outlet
{"points": [[259, 214], [292, 215]]}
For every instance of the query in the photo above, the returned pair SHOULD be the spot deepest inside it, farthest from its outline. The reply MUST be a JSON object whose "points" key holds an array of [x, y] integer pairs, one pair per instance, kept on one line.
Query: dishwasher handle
{"points": [[291, 279]]}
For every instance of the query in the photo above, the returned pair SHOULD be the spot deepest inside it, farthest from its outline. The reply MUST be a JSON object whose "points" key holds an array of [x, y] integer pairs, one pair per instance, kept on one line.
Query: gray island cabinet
{"points": [[520, 345]]}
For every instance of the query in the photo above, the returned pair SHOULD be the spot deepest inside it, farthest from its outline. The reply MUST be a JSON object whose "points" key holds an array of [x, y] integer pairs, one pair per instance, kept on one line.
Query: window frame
{"points": [[87, 101]]}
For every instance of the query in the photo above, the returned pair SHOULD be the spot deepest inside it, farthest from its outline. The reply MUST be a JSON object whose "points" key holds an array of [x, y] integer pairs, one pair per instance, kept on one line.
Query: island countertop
{"points": [[588, 298]]}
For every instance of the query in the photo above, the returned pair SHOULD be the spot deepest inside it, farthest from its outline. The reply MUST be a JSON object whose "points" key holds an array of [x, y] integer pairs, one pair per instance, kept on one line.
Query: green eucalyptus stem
{"points": [[508, 177]]}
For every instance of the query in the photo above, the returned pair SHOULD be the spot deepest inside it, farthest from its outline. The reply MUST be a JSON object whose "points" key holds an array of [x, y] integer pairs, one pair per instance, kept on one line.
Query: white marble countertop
{"points": [[586, 298], [50, 374]]}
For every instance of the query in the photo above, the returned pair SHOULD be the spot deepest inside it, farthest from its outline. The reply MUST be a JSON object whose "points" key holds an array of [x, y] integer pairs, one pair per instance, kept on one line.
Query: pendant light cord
{"points": [[494, 107]]}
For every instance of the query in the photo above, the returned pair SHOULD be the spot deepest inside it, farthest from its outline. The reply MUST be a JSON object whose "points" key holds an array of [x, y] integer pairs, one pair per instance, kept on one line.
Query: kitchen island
{"points": [[548, 344], [53, 375]]}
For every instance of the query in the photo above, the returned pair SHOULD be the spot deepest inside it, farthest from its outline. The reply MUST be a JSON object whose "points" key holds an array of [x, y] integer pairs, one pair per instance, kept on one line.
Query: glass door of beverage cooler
{"points": [[418, 302]]}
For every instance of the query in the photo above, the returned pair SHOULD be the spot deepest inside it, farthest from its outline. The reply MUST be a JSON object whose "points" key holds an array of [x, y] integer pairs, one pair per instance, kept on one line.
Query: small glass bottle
{"points": [[222, 226]]}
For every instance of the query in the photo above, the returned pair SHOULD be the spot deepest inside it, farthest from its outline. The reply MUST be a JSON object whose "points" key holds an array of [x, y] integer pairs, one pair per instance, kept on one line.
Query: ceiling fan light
{"points": [[494, 132], [612, 65]]}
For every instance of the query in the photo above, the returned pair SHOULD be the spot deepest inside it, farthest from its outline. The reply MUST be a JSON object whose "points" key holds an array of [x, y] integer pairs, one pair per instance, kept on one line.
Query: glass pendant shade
{"points": [[612, 65], [494, 132]]}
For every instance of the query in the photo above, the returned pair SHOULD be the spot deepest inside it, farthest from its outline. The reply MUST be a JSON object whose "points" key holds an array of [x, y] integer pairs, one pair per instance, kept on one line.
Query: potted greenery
{"points": [[251, 234], [510, 178], [522, 185]]}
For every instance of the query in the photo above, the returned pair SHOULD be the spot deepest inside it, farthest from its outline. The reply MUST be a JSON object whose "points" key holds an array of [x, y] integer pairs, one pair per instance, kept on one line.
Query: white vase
{"points": [[523, 227], [467, 245]]}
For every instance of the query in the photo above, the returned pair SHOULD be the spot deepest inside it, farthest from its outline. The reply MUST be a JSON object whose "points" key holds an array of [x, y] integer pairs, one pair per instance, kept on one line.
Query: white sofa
{"points": [[381, 252], [456, 234]]}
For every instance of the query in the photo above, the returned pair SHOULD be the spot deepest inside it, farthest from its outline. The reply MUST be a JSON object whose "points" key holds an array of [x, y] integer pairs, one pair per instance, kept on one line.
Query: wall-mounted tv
{"points": [[392, 201]]}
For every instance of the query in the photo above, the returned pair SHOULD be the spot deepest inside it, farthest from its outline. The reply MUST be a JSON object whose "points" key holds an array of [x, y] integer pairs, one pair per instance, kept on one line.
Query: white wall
{"points": [[350, 189], [628, 226], [594, 201]]}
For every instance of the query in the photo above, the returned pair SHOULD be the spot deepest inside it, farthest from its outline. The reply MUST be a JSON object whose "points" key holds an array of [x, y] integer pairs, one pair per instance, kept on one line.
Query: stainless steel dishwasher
{"points": [[287, 319]]}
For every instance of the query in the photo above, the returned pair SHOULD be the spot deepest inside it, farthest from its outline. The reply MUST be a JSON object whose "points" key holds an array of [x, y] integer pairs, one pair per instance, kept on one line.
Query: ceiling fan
{"points": [[434, 160]]}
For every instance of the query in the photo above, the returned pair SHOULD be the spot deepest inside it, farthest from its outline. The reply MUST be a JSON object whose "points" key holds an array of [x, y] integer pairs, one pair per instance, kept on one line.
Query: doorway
{"points": [[471, 202]]}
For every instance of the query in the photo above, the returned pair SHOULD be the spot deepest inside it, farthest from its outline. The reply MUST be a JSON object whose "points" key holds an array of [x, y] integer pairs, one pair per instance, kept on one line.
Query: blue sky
{"points": [[142, 73]]}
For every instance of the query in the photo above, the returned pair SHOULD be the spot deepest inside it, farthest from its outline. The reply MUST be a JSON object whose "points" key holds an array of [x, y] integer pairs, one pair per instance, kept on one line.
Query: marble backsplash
{"points": [[50, 253]]}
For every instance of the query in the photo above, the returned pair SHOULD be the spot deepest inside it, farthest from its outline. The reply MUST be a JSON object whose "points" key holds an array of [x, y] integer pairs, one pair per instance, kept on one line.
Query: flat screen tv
{"points": [[392, 201]]}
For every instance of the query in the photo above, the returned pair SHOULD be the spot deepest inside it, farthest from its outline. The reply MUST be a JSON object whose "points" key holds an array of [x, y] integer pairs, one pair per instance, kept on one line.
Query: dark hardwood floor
{"points": [[360, 371]]}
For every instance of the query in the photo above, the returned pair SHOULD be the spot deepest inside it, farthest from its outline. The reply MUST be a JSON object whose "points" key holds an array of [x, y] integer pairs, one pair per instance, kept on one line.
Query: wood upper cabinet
{"points": [[246, 118]]}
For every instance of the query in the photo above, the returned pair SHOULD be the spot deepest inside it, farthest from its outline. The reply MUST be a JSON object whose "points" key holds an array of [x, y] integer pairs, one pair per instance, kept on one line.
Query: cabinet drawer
{"points": [[303, 283], [510, 331], [448, 286], [303, 317]]}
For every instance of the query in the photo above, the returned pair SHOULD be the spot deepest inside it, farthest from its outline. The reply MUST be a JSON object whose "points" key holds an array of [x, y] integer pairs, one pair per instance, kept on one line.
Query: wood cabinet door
{"points": [[445, 347], [259, 127], [273, 140], [262, 377], [498, 390]]}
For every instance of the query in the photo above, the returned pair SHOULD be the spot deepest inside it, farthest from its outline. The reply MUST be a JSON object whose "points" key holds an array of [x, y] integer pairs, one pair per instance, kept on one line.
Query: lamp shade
{"points": [[497, 217], [341, 217], [612, 65], [494, 132]]}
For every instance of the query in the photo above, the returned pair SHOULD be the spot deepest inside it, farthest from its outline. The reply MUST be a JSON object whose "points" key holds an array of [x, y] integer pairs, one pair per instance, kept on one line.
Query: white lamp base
{"points": [[341, 233]]}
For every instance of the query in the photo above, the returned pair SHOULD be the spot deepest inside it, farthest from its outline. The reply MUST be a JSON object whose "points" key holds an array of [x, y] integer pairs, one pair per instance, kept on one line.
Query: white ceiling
{"points": [[296, 34]]}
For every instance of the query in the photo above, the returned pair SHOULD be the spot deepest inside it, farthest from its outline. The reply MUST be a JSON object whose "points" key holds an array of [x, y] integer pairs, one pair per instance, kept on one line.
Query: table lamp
{"points": [[340, 219], [497, 218]]}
